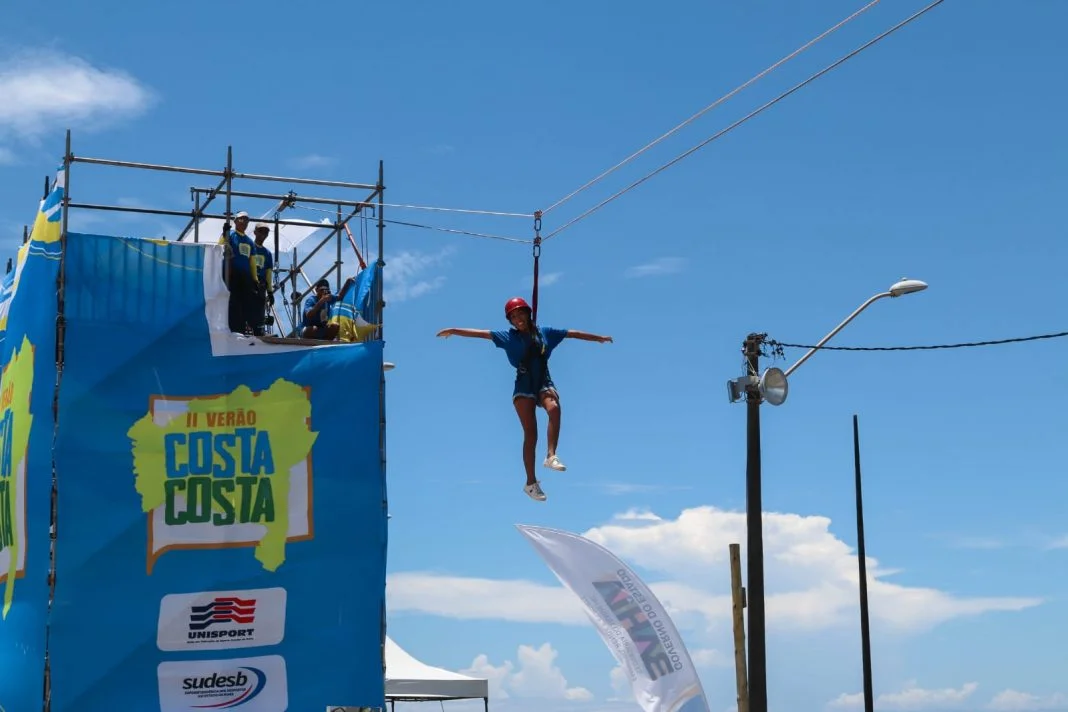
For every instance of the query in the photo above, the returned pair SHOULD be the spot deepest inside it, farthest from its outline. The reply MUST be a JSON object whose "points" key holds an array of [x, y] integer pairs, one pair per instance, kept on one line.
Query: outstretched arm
{"points": [[585, 336], [472, 333]]}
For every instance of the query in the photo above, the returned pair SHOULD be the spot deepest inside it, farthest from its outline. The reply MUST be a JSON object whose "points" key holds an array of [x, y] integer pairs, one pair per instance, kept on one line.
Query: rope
{"points": [[745, 118], [969, 344], [713, 105]]}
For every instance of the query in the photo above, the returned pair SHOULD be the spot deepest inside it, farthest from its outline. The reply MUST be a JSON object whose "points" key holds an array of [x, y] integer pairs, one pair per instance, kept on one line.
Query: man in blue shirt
{"points": [[317, 313], [262, 271], [237, 273], [528, 348]]}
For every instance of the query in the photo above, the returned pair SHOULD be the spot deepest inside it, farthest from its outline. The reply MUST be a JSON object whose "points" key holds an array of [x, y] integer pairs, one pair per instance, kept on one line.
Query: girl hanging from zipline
{"points": [[528, 349]]}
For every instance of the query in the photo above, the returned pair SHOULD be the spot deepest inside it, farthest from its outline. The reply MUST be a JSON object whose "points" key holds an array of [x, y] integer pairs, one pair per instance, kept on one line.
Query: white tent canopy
{"points": [[409, 680], [289, 236]]}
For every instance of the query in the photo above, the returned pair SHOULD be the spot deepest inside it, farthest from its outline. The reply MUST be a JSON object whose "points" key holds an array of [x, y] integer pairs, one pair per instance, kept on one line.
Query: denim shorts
{"points": [[528, 386]]}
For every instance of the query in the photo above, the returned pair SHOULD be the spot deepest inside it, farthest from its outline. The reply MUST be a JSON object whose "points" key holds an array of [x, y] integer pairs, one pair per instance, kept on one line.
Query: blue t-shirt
{"points": [[262, 265], [241, 248], [324, 314], [516, 343]]}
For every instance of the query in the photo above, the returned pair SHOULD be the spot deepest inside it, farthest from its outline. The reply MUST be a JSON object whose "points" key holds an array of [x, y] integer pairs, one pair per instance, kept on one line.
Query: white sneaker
{"points": [[534, 491], [553, 463]]}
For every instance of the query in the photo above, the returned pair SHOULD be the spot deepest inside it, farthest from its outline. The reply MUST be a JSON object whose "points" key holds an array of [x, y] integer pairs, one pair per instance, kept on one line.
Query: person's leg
{"points": [[550, 401], [524, 408], [256, 307]]}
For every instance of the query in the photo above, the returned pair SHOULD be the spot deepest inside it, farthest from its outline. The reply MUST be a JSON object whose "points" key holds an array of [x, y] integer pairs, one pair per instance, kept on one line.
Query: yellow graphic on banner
{"points": [[225, 471], [16, 385]]}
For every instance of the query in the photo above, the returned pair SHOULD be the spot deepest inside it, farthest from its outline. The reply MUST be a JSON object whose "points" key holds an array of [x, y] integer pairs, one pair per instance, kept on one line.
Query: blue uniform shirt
{"points": [[241, 248], [262, 265]]}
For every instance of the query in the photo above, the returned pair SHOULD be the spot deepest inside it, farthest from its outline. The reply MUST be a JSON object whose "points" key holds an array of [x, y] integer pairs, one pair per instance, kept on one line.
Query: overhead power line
{"points": [[711, 106], [969, 344], [745, 118]]}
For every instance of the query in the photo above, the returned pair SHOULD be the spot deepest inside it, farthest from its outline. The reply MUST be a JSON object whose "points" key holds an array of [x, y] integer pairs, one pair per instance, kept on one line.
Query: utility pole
{"points": [[758, 682], [865, 630]]}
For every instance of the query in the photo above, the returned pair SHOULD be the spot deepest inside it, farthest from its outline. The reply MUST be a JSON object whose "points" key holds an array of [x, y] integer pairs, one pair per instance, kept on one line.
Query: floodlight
{"points": [[773, 386]]}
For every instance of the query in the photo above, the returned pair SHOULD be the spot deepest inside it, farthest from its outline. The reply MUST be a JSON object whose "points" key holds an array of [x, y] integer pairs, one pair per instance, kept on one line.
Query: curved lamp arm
{"points": [[838, 328], [905, 286]]}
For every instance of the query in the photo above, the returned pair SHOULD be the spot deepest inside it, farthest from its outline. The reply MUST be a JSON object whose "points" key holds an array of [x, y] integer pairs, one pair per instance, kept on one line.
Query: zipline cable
{"points": [[456, 210], [460, 232], [426, 227], [711, 106], [745, 118], [423, 207]]}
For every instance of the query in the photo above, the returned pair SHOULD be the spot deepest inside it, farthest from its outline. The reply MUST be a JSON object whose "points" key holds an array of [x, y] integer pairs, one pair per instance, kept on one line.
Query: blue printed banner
{"points": [[27, 358], [354, 312], [221, 499]]}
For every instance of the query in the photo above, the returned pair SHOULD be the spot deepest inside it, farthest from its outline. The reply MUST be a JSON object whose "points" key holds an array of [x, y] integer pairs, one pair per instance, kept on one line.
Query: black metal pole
{"points": [[758, 682], [865, 633]]}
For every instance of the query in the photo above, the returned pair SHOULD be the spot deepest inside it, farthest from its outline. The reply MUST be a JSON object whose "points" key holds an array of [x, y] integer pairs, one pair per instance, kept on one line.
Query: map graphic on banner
{"points": [[227, 470], [220, 509], [15, 421], [27, 386]]}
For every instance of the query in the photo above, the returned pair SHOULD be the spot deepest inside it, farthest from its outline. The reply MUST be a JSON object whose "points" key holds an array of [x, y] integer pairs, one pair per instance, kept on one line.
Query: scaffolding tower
{"points": [[342, 210]]}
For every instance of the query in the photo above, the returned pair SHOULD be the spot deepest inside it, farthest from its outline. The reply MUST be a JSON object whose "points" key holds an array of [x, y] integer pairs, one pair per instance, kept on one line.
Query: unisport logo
{"points": [[223, 610]]}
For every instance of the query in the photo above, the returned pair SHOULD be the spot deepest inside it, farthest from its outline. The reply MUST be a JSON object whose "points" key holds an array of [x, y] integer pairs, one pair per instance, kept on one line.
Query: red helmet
{"points": [[514, 303]]}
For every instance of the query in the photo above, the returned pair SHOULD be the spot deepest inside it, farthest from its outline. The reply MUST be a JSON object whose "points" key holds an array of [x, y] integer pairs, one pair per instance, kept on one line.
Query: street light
{"points": [[772, 386]]}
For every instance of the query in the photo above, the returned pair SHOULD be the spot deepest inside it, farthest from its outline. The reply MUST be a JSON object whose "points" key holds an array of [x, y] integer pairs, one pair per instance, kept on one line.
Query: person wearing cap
{"points": [[262, 268], [528, 348], [237, 273], [317, 313]]}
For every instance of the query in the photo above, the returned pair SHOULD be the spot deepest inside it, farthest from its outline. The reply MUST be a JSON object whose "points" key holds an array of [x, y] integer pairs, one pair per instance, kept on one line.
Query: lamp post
{"points": [[771, 386]]}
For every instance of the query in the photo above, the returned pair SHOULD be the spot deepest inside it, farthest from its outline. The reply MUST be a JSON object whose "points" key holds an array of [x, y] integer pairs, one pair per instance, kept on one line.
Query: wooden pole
{"points": [[738, 598]]}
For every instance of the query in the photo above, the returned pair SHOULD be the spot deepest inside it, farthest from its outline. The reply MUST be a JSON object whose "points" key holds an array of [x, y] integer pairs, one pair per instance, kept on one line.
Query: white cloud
{"points": [[1015, 701], [535, 675], [621, 687], [43, 91], [482, 598], [658, 267], [978, 542], [811, 574], [811, 579], [710, 658], [911, 697], [1060, 543], [405, 275], [547, 279], [638, 514], [312, 160]]}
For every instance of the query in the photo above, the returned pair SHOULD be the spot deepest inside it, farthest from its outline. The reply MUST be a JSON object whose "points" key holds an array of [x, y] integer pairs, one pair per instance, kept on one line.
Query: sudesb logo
{"points": [[227, 690]]}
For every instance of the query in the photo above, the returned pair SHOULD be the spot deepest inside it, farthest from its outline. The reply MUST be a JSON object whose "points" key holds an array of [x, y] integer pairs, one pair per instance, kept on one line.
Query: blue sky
{"points": [[938, 154]]}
